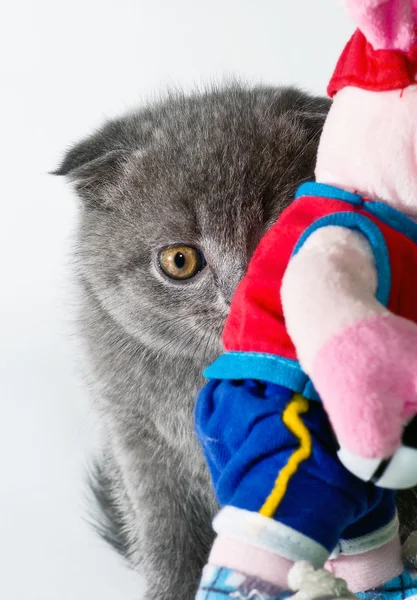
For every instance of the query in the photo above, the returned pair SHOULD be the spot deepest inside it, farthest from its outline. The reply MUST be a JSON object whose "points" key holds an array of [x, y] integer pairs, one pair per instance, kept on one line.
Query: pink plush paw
{"points": [[367, 379], [386, 24]]}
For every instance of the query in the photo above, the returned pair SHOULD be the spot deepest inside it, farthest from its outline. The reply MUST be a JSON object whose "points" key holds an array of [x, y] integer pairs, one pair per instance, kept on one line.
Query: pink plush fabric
{"points": [[369, 146], [361, 571], [251, 560], [386, 24], [329, 285], [369, 570], [367, 378]]}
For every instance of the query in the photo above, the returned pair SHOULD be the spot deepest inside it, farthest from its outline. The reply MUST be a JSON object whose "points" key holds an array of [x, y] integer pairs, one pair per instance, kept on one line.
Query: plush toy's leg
{"points": [[370, 550], [251, 560], [373, 562], [399, 588], [370, 569], [286, 497]]}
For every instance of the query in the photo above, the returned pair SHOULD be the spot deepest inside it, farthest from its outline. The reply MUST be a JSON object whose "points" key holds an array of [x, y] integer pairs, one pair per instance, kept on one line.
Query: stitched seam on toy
{"points": [[291, 418]]}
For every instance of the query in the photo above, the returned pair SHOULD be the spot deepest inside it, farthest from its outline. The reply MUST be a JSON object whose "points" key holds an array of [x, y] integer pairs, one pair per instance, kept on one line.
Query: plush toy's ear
{"points": [[95, 164], [386, 24]]}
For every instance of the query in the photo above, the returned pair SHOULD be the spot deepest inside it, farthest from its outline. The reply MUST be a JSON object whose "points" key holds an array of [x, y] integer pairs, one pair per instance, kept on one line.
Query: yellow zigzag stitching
{"points": [[291, 418]]}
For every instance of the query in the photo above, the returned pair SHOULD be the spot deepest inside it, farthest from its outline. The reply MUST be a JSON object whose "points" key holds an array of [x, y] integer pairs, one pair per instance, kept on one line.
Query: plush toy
{"points": [[320, 368]]}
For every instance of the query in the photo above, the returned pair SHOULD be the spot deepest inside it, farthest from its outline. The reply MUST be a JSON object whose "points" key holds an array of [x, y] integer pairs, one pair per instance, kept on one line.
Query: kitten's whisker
{"points": [[171, 321], [189, 336], [207, 346]]}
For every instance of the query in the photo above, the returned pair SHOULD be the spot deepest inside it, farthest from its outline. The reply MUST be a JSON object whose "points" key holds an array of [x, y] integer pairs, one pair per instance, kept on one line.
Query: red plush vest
{"points": [[256, 321]]}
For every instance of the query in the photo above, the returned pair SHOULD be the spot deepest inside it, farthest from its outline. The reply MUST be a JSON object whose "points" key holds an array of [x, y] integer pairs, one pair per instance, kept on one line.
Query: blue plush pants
{"points": [[248, 445]]}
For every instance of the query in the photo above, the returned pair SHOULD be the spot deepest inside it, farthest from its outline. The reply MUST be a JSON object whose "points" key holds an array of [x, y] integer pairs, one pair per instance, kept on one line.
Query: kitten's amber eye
{"points": [[181, 262]]}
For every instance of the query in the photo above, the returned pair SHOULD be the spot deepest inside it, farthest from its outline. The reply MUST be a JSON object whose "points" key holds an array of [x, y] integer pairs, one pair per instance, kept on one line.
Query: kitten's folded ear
{"points": [[94, 166], [314, 120], [310, 111]]}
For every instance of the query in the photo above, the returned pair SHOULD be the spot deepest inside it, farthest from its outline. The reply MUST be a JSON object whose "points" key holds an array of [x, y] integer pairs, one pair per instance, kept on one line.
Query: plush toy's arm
{"points": [[329, 284], [360, 357]]}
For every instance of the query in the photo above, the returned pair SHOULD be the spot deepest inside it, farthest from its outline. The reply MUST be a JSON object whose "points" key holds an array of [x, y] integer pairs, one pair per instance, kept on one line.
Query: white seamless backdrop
{"points": [[64, 68]]}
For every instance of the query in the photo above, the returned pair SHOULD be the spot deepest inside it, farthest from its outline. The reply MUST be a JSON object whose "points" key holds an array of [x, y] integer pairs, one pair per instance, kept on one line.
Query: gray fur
{"points": [[213, 171]]}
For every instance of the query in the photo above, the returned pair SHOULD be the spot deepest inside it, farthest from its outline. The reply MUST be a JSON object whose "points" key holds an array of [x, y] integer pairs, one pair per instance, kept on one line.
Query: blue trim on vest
{"points": [[371, 231], [388, 215], [263, 367], [322, 190], [394, 218]]}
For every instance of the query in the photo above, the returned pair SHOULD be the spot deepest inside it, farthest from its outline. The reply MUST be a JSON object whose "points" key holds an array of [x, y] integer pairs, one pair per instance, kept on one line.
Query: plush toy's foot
{"points": [[399, 588], [321, 584], [221, 583], [306, 583]]}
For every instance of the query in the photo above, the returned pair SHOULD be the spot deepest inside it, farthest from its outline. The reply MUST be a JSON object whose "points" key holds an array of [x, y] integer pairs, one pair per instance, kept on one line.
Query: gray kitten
{"points": [[175, 198]]}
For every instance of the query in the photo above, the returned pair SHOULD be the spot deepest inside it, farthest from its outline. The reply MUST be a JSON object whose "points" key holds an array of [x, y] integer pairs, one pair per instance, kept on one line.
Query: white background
{"points": [[64, 68]]}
